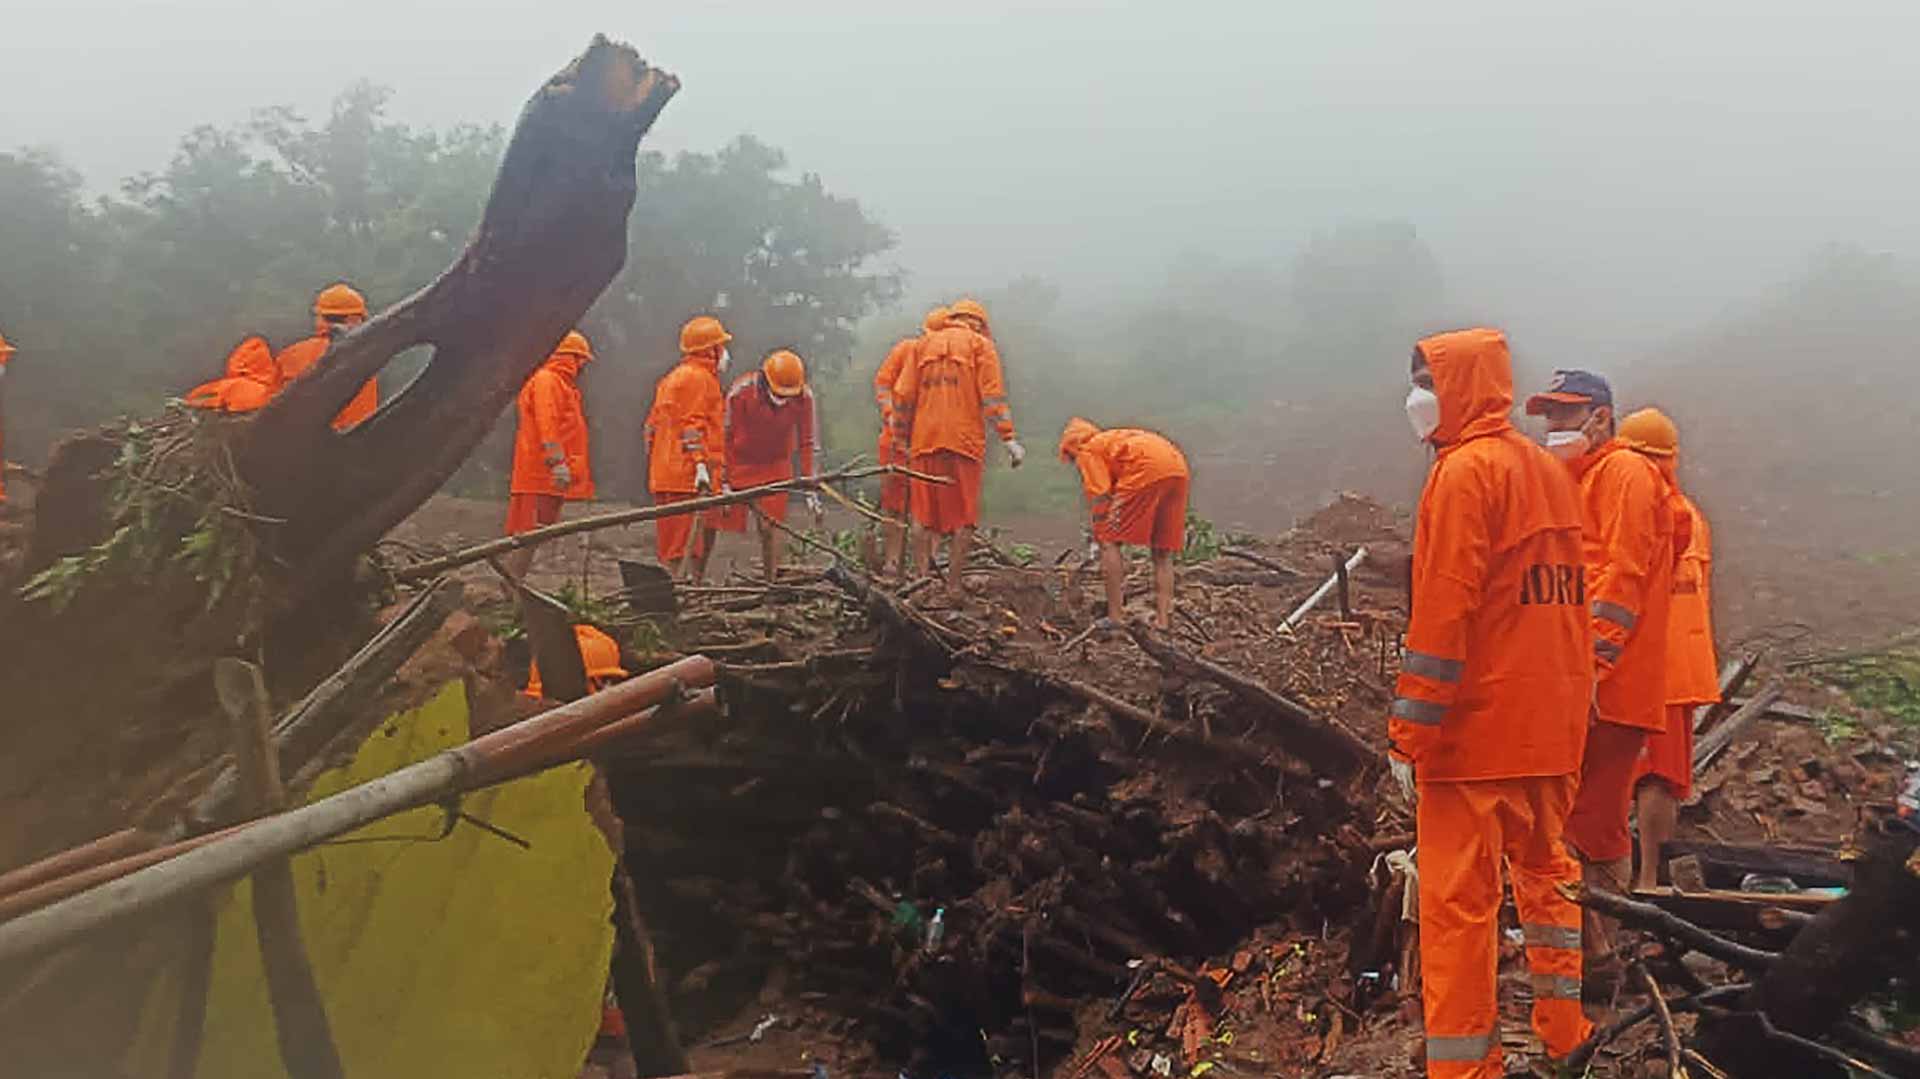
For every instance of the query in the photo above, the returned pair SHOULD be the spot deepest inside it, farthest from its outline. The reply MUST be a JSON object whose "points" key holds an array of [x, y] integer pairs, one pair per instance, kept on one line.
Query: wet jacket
{"points": [[762, 437], [948, 393], [295, 359], [1628, 543], [552, 413], [250, 382], [1123, 461], [686, 426], [1498, 670], [1693, 670], [883, 381]]}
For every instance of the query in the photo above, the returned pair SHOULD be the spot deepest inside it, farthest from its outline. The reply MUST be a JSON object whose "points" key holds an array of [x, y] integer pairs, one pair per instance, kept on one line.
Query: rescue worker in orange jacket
{"points": [[1135, 483], [250, 382], [6, 353], [686, 441], [551, 464], [769, 419], [1491, 705], [336, 310], [947, 393], [1665, 774], [1627, 539], [893, 489]]}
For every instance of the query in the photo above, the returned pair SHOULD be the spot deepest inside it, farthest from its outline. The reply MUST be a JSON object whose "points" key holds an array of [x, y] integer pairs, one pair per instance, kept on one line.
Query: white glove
{"points": [[1016, 453], [562, 476], [814, 505], [1402, 769], [702, 479]]}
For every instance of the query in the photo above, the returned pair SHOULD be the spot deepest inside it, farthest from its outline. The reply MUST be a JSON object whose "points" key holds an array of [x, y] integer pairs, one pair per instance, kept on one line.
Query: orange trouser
{"points": [[1465, 829]]}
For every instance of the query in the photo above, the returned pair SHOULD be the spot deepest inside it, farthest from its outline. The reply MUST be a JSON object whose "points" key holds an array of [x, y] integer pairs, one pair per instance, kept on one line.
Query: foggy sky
{"points": [[1593, 176]]}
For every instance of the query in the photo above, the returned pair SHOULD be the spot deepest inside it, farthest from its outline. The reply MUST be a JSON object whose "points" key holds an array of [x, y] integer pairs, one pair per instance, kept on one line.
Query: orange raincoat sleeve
{"points": [[906, 398], [1096, 477], [685, 429], [889, 373], [1451, 553], [1622, 502], [994, 408]]}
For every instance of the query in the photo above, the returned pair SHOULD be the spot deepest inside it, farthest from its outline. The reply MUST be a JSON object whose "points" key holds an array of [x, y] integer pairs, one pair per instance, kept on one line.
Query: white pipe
{"points": [[1321, 592]]}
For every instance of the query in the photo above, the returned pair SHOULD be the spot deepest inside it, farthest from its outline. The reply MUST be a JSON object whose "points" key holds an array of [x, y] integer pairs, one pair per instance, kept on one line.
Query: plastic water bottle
{"points": [[936, 929]]}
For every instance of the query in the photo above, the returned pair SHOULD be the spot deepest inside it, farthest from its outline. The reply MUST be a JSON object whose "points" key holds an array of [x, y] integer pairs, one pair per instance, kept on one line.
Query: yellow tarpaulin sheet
{"points": [[457, 956]]}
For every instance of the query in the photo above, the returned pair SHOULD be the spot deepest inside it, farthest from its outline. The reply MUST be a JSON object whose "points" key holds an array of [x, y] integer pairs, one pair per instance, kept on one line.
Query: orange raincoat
{"points": [[1629, 553], [1491, 705], [686, 427], [551, 413], [1135, 483], [295, 359], [883, 381], [1693, 670], [945, 397], [250, 382]]}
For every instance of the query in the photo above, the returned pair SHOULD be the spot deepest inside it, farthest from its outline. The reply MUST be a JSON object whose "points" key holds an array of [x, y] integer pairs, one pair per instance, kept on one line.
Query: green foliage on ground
{"points": [[1886, 682]]}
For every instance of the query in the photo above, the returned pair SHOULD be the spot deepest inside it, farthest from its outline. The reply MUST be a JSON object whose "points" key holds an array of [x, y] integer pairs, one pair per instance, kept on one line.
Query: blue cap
{"points": [[1572, 388]]}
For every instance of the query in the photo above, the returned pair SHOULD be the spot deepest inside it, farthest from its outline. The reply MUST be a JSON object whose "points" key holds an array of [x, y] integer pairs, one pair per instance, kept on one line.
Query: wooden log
{"points": [[346, 695], [1641, 915], [1733, 677], [1729, 862], [1737, 912], [1715, 741], [1323, 742], [1855, 946], [507, 753], [299, 1015]]}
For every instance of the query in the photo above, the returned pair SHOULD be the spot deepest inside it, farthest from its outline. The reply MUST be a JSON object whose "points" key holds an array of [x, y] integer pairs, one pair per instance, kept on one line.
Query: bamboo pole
{"points": [[433, 567], [504, 754]]}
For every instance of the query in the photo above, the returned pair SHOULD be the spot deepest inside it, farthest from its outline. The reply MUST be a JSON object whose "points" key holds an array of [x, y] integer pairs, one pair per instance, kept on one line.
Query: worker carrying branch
{"points": [[1627, 542], [1491, 705], [947, 393], [551, 462], [894, 498], [686, 442], [336, 311], [769, 419], [1135, 483], [1664, 777]]}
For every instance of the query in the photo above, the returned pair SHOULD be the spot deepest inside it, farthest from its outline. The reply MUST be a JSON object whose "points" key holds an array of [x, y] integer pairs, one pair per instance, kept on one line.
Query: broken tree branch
{"points": [[1577, 1060], [1649, 917], [1723, 733], [299, 1015], [1323, 742], [493, 548], [1668, 1036]]}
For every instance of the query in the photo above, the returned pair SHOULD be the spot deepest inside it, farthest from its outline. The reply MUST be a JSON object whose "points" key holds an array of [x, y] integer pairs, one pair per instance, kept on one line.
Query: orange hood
{"points": [[566, 363], [1473, 379], [252, 359], [1075, 436]]}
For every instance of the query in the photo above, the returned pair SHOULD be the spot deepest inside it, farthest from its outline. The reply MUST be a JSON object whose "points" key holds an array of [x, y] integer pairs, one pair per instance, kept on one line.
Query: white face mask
{"points": [[726, 359], [1568, 445], [1423, 412]]}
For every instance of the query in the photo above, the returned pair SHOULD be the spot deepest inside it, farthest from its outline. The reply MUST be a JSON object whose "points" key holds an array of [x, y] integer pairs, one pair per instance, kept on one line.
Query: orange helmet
{"points": [[339, 300], [599, 653], [1075, 436], [937, 319], [786, 374], [969, 308], [1651, 432], [574, 344], [5, 349], [702, 332]]}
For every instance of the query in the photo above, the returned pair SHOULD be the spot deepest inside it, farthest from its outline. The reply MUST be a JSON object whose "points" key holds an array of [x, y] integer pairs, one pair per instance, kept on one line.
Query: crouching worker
{"points": [[599, 654], [769, 418], [1136, 487]]}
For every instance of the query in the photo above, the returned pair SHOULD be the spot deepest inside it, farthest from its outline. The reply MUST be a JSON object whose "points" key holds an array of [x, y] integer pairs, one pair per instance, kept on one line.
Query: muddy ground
{"points": [[1288, 1004]]}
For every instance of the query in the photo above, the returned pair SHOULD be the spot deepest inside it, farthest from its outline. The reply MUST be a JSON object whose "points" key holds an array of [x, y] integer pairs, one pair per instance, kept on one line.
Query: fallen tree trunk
{"points": [[278, 507]]}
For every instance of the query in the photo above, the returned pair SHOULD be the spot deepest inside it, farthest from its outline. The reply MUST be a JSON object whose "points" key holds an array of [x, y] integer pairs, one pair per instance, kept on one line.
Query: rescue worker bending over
{"points": [[1664, 777], [893, 489], [1136, 488], [769, 418], [1491, 705], [599, 653], [1627, 541], [551, 464], [686, 440], [336, 310], [947, 393]]}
